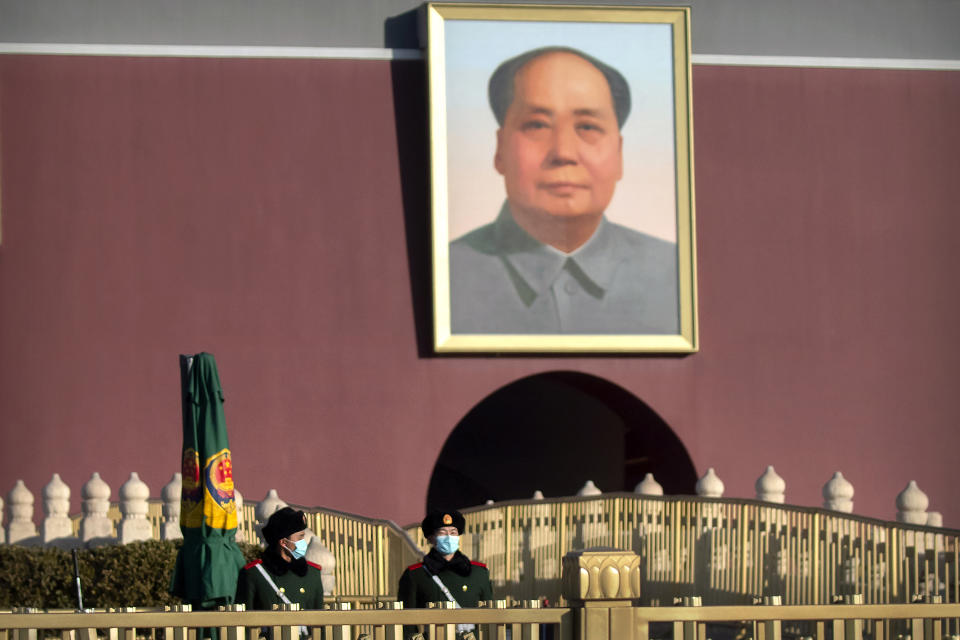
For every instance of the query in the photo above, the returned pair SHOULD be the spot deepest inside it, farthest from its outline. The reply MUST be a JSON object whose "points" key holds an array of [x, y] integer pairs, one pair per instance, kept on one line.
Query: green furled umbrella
{"points": [[209, 561]]}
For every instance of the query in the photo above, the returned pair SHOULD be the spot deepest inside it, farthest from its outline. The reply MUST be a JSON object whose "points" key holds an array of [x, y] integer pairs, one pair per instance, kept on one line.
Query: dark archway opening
{"points": [[553, 432]]}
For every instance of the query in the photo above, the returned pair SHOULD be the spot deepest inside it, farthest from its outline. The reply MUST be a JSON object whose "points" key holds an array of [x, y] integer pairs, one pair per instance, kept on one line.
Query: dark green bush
{"points": [[132, 575]]}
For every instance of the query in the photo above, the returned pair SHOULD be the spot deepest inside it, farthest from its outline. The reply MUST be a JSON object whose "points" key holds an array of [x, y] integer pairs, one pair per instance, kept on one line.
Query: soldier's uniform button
{"points": [[282, 590], [302, 590], [464, 587]]}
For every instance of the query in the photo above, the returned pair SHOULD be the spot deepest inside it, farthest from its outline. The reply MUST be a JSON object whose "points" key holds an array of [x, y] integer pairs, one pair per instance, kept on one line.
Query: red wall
{"points": [[274, 214]]}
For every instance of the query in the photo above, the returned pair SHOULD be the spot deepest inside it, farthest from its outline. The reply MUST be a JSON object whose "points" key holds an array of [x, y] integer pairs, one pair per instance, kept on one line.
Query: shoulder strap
{"points": [[461, 628], [443, 588], [273, 585], [280, 594]]}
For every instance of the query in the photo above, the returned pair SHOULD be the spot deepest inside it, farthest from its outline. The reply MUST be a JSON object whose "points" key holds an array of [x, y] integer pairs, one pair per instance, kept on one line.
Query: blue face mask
{"points": [[299, 549], [448, 544]]}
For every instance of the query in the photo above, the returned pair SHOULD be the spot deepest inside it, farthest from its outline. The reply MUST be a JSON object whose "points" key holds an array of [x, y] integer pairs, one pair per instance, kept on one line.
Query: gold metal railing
{"points": [[370, 554], [602, 588], [605, 621], [726, 551], [817, 622], [381, 624]]}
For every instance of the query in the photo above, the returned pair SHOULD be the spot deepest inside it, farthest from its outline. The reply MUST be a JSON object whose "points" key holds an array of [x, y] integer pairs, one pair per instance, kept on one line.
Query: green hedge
{"points": [[131, 575]]}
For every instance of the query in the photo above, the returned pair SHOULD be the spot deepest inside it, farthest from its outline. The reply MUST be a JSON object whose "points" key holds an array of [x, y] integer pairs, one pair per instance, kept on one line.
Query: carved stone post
{"points": [[603, 587], [771, 487], [318, 553], [96, 526], [170, 494], [589, 489], [56, 505], [240, 536], [838, 494], [912, 505], [648, 486], [133, 505], [265, 508], [710, 485], [20, 503]]}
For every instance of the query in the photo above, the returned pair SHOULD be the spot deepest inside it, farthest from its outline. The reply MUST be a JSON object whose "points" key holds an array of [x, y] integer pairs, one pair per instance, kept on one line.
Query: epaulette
{"points": [[414, 566], [478, 564], [252, 564], [314, 565]]}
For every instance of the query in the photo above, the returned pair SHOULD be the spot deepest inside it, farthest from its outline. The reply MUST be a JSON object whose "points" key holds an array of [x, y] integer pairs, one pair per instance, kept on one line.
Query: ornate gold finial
{"points": [[601, 575]]}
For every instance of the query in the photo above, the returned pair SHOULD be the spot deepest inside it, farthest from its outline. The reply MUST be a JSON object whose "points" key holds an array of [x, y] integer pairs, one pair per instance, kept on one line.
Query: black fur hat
{"points": [[282, 523], [436, 519]]}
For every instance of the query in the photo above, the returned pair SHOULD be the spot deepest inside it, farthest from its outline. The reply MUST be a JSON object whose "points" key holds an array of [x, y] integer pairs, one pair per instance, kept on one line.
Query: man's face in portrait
{"points": [[559, 148]]}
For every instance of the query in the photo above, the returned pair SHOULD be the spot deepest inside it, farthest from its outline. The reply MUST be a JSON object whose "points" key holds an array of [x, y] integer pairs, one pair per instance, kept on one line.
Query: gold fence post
{"points": [[933, 627], [86, 634], [690, 630], [129, 633], [166, 632], [770, 629], [381, 549], [561, 531], [916, 628], [507, 543], [112, 632], [389, 631], [853, 628], [494, 631], [233, 633], [25, 634], [340, 631], [288, 632], [531, 630], [839, 631], [444, 631], [815, 551], [169, 633], [893, 565], [602, 588]]}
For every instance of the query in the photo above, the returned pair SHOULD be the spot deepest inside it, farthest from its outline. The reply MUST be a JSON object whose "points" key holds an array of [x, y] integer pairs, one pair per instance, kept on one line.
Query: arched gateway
{"points": [[553, 432]]}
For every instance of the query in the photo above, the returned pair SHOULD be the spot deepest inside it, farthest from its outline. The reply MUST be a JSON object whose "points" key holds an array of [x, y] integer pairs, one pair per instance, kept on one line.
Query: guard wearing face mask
{"points": [[282, 575], [445, 573]]}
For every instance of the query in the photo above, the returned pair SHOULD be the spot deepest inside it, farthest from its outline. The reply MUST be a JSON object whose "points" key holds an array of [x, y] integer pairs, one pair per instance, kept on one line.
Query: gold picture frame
{"points": [[565, 267]]}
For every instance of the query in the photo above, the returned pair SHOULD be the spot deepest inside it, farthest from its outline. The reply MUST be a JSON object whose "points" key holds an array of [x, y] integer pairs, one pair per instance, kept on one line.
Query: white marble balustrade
{"points": [[99, 523]]}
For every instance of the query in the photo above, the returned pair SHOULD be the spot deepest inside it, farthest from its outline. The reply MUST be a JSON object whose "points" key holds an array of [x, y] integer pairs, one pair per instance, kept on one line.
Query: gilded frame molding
{"points": [[453, 25]]}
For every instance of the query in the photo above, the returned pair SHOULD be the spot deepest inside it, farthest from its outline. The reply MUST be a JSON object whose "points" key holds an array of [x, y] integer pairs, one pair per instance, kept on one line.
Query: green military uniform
{"points": [[298, 580], [468, 582]]}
